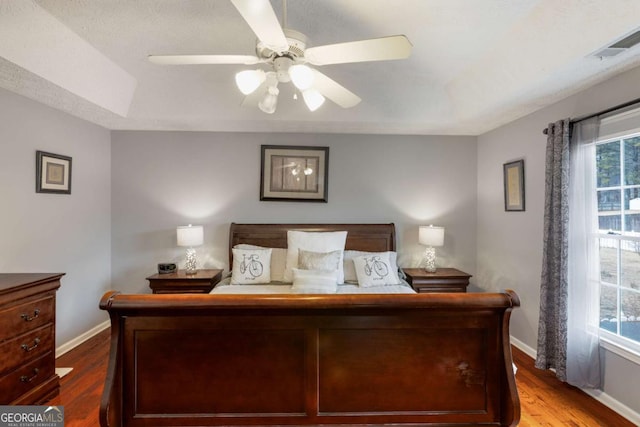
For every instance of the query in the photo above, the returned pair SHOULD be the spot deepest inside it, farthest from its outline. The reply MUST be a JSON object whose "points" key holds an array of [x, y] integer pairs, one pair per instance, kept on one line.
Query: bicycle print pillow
{"points": [[251, 266], [375, 270]]}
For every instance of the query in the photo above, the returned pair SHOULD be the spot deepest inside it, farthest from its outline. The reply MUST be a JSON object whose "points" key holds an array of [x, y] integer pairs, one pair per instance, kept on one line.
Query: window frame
{"points": [[614, 342]]}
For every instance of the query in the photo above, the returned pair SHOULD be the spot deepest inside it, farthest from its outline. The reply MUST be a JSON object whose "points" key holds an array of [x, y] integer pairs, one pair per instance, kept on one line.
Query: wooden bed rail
{"points": [[200, 360], [114, 300]]}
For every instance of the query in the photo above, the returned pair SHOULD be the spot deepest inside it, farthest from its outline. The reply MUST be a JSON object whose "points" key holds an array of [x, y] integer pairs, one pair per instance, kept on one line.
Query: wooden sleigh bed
{"points": [[366, 359]]}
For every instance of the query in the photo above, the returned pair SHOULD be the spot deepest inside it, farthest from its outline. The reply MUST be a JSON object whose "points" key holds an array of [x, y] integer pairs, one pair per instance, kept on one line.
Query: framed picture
{"points": [[514, 186], [291, 173], [53, 173]]}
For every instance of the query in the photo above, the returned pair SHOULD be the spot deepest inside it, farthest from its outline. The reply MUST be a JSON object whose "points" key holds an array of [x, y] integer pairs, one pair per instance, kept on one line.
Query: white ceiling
{"points": [[475, 64]]}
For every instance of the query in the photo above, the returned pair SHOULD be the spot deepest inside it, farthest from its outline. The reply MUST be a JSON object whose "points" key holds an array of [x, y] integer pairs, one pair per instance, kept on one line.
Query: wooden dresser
{"points": [[28, 338]]}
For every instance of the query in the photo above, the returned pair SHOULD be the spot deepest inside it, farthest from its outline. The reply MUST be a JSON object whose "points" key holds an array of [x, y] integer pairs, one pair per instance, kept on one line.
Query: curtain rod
{"points": [[608, 110]]}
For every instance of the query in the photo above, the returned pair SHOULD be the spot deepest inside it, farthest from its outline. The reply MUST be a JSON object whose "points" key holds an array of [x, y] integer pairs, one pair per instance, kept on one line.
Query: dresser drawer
{"points": [[17, 351], [20, 381], [25, 317]]}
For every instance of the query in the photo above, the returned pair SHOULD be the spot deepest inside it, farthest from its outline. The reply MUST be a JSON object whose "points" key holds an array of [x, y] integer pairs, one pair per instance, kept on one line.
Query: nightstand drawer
{"points": [[181, 283], [442, 280], [26, 317]]}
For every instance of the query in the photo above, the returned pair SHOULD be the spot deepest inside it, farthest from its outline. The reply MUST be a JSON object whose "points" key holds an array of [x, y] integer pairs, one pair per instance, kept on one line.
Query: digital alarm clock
{"points": [[167, 267]]}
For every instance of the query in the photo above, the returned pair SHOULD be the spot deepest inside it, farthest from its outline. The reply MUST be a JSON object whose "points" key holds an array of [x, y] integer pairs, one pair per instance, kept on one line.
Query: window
{"points": [[618, 202]]}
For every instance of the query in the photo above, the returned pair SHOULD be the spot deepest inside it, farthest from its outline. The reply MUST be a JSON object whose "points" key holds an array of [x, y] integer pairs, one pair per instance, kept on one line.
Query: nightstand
{"points": [[182, 283], [443, 280]]}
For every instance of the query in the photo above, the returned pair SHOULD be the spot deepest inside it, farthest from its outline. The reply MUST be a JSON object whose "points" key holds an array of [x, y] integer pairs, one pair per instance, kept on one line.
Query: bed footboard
{"points": [[205, 360]]}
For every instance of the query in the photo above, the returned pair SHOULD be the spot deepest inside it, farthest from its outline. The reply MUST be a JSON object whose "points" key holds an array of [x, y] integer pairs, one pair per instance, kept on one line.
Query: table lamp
{"points": [[190, 236], [430, 236]]}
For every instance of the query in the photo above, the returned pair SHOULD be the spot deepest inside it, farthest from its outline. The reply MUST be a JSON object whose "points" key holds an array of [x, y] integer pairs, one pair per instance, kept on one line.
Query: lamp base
{"points": [[190, 264], [430, 259]]}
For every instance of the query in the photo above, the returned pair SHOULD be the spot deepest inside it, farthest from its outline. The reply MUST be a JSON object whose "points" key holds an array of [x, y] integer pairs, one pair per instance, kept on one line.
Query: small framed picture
{"points": [[53, 173], [292, 173], [514, 186]]}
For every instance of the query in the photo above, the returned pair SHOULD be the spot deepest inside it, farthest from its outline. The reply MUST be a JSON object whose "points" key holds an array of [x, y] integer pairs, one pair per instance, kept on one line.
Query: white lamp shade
{"points": [[313, 99], [249, 80], [269, 103], [190, 235], [301, 76], [431, 236]]}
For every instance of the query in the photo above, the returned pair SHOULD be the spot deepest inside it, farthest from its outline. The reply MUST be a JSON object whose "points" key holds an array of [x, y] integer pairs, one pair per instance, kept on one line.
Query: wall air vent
{"points": [[626, 42]]}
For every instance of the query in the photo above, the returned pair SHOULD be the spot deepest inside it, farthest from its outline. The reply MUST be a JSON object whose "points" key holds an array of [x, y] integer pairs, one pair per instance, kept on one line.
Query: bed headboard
{"points": [[362, 237]]}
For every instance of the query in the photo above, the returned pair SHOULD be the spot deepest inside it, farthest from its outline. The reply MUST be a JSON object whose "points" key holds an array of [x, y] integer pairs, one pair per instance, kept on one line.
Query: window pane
{"points": [[632, 223], [630, 264], [608, 164], [630, 319], [610, 222], [609, 200], [609, 215], [632, 199], [608, 308], [609, 261], [632, 161], [632, 209]]}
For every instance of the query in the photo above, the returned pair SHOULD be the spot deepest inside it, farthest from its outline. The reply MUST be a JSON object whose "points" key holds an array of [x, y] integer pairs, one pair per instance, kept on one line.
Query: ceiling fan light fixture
{"points": [[250, 80], [269, 102], [302, 76], [313, 99]]}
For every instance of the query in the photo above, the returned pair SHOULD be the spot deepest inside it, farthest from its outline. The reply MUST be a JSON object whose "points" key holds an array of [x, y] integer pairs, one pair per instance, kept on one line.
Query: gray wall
{"points": [[51, 232], [164, 179], [510, 243]]}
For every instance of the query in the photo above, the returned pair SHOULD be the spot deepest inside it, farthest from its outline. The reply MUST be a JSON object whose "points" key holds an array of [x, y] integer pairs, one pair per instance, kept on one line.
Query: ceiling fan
{"points": [[286, 53]]}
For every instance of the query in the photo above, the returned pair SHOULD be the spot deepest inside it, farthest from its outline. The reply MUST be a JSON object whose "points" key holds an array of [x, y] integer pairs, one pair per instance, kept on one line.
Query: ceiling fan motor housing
{"points": [[281, 66], [297, 45]]}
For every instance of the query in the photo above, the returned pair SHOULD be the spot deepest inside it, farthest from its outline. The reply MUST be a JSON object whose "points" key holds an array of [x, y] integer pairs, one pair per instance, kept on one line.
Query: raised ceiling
{"points": [[475, 64]]}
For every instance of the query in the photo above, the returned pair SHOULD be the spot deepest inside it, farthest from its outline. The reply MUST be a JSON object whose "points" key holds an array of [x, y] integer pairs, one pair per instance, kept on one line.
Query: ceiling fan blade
{"points": [[382, 49], [203, 59], [263, 21], [334, 91]]}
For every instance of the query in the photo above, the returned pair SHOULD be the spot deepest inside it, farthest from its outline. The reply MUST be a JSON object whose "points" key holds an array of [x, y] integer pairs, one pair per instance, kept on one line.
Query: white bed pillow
{"points": [[314, 281], [316, 242], [278, 260], [350, 269], [309, 260], [375, 270], [251, 266]]}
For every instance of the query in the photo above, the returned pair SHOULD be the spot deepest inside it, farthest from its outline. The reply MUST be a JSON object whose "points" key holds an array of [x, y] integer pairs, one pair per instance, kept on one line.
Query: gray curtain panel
{"points": [[552, 326]]}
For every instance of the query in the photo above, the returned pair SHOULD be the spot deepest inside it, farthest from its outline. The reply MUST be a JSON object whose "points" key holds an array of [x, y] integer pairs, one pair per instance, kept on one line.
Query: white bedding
{"points": [[225, 287]]}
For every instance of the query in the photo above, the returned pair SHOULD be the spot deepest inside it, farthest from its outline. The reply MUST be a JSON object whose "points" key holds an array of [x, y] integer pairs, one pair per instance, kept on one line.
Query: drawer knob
{"points": [[26, 347], [27, 318], [26, 379]]}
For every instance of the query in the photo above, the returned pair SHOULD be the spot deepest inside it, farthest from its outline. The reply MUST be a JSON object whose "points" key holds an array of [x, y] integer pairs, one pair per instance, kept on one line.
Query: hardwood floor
{"points": [[545, 401], [81, 389]]}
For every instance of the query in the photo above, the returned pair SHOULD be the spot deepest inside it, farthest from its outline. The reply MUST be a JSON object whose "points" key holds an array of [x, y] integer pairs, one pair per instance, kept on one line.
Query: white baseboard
{"points": [[598, 395], [70, 345], [530, 351]]}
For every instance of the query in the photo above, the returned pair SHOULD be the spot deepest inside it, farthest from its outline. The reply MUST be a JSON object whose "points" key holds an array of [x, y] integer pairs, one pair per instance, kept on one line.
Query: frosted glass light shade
{"points": [[301, 76], [269, 103], [313, 99], [190, 235], [250, 80], [430, 235]]}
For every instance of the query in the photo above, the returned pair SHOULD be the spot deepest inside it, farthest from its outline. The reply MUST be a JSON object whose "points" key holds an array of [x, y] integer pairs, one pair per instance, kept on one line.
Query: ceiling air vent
{"points": [[619, 46]]}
